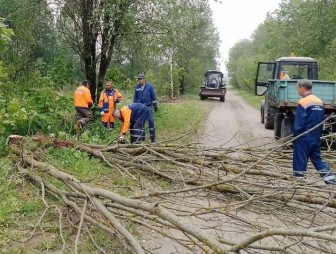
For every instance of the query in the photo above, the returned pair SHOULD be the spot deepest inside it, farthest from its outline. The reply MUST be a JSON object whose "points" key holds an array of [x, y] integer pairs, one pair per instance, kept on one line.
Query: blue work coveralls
{"points": [[146, 95], [309, 113], [139, 115]]}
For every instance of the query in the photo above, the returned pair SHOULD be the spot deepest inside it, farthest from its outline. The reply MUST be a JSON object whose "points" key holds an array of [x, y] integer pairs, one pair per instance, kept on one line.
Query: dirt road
{"points": [[234, 122], [229, 124]]}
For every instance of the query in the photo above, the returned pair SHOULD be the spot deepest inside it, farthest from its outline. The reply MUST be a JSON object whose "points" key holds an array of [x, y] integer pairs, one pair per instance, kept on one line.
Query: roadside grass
{"points": [[22, 205], [249, 96]]}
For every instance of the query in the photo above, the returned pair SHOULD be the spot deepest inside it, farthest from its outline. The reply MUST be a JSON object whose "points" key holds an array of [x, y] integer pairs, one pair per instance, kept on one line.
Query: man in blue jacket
{"points": [[309, 114], [144, 93]]}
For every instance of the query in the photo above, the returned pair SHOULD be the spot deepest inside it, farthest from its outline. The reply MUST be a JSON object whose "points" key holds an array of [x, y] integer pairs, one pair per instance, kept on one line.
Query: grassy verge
{"points": [[249, 97], [22, 206]]}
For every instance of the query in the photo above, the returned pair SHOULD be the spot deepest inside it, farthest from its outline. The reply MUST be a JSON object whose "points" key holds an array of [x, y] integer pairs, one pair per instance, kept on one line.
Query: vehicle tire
{"points": [[262, 114], [202, 98], [222, 98], [277, 125], [269, 113], [286, 127]]}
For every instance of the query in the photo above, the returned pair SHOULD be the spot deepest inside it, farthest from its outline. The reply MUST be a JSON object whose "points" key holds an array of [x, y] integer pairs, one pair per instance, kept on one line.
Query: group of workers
{"points": [[307, 128], [133, 116]]}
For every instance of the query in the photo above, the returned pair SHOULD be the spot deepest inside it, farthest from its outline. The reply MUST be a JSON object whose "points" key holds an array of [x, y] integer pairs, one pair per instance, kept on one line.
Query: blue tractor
{"points": [[213, 85]]}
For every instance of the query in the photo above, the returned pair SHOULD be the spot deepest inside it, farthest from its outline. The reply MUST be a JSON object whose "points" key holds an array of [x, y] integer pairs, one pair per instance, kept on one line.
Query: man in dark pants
{"points": [[309, 113], [83, 102], [144, 93], [133, 118]]}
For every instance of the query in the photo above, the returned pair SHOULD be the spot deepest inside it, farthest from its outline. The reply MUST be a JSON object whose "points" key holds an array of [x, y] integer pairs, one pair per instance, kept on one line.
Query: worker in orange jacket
{"points": [[133, 118], [83, 103], [107, 101]]}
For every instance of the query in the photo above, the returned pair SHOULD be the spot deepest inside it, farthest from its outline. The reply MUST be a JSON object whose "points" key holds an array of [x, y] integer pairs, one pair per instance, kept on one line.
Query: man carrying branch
{"points": [[309, 114]]}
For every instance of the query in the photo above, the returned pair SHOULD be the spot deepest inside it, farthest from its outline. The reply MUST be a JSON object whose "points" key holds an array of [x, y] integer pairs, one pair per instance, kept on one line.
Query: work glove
{"points": [[102, 113], [121, 139], [155, 107], [117, 101]]}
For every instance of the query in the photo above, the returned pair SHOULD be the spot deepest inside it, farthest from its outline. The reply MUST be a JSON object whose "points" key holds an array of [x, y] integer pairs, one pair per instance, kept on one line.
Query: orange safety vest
{"points": [[107, 104], [125, 113], [82, 97]]}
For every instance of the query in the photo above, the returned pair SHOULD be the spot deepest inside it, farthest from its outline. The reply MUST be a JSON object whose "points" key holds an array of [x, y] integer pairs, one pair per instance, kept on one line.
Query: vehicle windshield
{"points": [[296, 71], [213, 79]]}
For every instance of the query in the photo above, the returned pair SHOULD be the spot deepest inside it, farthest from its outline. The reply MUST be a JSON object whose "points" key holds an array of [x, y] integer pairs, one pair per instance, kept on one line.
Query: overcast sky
{"points": [[237, 19]]}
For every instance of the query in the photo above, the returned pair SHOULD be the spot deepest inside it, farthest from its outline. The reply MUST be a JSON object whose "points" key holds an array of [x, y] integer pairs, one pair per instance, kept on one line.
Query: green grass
{"points": [[252, 99], [177, 118]]}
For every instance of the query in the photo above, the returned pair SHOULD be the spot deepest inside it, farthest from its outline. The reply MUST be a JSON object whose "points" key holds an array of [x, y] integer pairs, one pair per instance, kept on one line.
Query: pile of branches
{"points": [[221, 200]]}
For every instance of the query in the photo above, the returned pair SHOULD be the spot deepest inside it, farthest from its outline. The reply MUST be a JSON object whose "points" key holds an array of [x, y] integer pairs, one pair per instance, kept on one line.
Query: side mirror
{"points": [[261, 90]]}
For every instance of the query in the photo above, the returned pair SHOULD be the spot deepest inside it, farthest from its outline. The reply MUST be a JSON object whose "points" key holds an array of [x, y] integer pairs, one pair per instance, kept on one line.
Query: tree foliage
{"points": [[47, 47], [296, 27], [34, 40], [139, 36]]}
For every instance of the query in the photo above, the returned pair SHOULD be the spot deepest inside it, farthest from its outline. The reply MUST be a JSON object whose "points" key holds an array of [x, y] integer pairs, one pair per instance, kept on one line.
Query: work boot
{"points": [[79, 125], [301, 181], [331, 182], [152, 139]]}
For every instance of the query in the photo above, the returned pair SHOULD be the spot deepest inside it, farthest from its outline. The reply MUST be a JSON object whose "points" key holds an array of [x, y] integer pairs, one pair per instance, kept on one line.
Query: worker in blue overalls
{"points": [[145, 93], [309, 114]]}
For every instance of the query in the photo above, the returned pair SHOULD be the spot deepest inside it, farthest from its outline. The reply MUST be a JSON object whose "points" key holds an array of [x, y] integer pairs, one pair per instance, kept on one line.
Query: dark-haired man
{"points": [[83, 103], [144, 93]]}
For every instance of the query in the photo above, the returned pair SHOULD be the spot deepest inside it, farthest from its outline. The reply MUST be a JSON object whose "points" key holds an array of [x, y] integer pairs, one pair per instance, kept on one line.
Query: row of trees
{"points": [[71, 40], [52, 45], [297, 27]]}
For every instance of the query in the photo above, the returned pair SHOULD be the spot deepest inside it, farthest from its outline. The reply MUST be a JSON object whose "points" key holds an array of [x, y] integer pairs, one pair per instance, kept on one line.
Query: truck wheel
{"points": [[277, 125], [222, 98], [269, 113], [262, 114], [202, 98], [286, 127]]}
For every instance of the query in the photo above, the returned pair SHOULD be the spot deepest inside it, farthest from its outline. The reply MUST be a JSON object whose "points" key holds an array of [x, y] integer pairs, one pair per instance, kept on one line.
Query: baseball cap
{"points": [[140, 76]]}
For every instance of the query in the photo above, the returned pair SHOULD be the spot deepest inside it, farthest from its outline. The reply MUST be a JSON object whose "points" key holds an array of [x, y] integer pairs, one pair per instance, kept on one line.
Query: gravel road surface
{"points": [[235, 123]]}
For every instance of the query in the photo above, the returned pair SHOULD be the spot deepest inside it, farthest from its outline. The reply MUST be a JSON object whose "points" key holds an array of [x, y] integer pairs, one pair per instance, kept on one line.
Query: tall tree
{"points": [[34, 40], [93, 28]]}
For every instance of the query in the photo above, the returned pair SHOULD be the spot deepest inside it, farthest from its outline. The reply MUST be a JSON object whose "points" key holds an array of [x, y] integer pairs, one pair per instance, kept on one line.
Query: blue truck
{"points": [[277, 82]]}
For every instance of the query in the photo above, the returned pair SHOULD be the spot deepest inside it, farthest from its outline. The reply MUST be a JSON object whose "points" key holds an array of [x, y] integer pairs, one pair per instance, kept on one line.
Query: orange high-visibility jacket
{"points": [[82, 97], [107, 101], [126, 113]]}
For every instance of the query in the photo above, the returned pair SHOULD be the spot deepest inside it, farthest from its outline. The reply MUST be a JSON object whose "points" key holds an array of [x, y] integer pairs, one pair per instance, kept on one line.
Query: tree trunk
{"points": [[89, 44]]}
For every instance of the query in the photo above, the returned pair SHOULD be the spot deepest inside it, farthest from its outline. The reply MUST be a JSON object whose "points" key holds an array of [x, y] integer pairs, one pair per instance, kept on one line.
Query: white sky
{"points": [[237, 19]]}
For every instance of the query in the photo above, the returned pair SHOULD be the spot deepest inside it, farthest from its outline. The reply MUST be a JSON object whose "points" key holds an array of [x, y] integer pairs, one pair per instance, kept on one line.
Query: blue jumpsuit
{"points": [[139, 116], [146, 95], [309, 113]]}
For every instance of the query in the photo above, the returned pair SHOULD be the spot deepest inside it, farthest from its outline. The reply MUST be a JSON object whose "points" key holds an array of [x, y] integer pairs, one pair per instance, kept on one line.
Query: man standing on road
{"points": [[107, 101], [133, 118], [83, 102], [309, 113], [144, 93]]}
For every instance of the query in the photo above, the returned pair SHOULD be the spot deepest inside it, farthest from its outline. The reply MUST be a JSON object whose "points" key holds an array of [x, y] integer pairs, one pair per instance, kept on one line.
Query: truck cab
{"points": [[284, 68]]}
